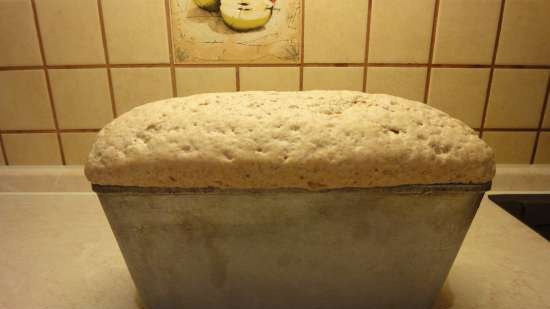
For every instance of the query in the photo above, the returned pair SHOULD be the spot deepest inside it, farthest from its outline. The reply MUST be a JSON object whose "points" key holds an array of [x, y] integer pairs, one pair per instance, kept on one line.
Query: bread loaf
{"points": [[311, 140]]}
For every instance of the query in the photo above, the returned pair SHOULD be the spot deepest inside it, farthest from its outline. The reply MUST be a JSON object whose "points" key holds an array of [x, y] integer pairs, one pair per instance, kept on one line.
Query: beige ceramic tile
{"points": [[32, 148], [459, 92], [516, 99], [543, 149], [546, 122], [403, 82], [335, 31], [136, 31], [401, 31], [333, 78], [136, 86], [81, 98], [511, 147], [70, 31], [2, 162], [466, 31], [270, 78], [18, 38], [525, 34], [76, 146], [24, 102], [200, 80]]}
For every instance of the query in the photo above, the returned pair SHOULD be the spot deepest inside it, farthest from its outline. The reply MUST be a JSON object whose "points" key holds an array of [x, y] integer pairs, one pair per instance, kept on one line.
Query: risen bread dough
{"points": [[312, 139]]}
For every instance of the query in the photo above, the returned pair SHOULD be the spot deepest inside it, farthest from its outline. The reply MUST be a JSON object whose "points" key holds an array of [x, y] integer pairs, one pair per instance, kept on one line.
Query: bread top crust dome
{"points": [[311, 140]]}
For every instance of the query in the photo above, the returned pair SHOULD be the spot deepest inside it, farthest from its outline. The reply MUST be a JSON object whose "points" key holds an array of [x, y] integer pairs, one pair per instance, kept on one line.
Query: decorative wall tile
{"points": [[200, 36]]}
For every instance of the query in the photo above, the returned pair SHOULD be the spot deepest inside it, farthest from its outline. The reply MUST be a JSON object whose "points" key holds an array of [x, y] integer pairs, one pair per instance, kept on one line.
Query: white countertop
{"points": [[57, 251]]}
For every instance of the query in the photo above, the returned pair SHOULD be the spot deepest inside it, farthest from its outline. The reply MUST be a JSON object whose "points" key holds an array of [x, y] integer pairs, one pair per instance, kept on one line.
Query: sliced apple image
{"points": [[209, 5], [245, 15]]}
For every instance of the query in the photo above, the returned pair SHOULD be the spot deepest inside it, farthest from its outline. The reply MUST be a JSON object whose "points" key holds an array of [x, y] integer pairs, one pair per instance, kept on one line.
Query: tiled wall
{"points": [[68, 67]]}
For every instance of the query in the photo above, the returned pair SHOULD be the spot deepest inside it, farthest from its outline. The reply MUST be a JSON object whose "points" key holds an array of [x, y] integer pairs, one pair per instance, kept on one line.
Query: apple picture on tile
{"points": [[236, 31], [244, 15], [209, 5], [240, 15]]}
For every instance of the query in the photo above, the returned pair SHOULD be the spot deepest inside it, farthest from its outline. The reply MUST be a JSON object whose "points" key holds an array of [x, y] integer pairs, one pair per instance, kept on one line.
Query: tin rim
{"points": [[212, 190]]}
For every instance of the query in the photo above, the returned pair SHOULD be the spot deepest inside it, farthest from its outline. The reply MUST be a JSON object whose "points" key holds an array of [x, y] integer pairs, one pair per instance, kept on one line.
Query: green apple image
{"points": [[209, 5], [245, 15]]}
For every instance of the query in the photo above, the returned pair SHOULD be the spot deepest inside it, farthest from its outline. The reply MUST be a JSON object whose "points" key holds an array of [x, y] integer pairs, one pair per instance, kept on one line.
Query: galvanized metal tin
{"points": [[345, 248]]}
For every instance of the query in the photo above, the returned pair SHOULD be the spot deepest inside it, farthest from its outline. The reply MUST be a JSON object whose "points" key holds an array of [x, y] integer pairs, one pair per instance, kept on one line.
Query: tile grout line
{"points": [[367, 45], [106, 53], [48, 83], [48, 131], [492, 69], [302, 43], [521, 66], [21, 67], [167, 9], [406, 65], [541, 120], [431, 52], [237, 78], [460, 66], [342, 65], [291, 65], [232, 65], [510, 129], [4, 154]]}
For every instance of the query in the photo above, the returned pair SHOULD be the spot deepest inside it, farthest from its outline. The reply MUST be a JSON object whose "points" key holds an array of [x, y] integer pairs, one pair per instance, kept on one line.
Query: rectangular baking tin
{"points": [[288, 248]]}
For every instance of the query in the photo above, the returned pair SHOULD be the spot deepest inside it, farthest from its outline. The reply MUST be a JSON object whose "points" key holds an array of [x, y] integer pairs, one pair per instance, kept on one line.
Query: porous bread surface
{"points": [[313, 140]]}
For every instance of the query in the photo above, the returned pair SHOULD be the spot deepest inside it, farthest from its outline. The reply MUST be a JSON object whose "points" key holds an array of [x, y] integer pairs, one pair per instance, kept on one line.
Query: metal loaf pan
{"points": [[345, 248]]}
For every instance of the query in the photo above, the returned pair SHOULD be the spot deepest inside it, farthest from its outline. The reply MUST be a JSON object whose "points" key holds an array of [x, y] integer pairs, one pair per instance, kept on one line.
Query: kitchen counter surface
{"points": [[57, 251]]}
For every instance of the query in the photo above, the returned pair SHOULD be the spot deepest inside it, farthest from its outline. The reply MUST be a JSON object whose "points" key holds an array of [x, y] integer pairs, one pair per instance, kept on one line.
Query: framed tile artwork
{"points": [[236, 31]]}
